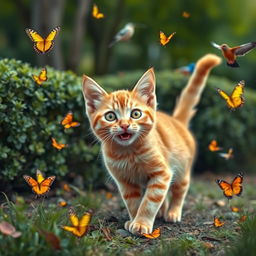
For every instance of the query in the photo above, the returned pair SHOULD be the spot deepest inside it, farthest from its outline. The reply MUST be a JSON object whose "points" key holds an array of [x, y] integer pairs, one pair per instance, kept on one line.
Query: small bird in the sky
{"points": [[186, 70], [230, 54], [124, 34]]}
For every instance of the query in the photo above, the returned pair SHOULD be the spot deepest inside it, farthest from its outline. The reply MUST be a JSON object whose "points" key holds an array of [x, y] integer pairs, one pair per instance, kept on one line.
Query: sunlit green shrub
{"points": [[30, 115]]}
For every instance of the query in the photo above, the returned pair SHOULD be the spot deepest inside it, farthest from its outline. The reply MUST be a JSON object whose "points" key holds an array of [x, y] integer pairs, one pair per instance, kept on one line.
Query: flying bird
{"points": [[230, 54], [124, 34], [186, 70]]}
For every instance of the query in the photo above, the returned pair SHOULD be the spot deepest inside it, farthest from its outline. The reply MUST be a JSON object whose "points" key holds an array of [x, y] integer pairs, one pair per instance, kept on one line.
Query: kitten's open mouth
{"points": [[125, 136]]}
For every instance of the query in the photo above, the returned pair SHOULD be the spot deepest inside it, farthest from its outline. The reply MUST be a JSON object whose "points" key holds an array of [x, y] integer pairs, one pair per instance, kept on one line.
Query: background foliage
{"points": [[30, 115], [230, 22]]}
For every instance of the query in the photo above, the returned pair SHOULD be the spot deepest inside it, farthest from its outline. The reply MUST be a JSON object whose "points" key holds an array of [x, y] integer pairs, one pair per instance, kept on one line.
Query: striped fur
{"points": [[151, 156]]}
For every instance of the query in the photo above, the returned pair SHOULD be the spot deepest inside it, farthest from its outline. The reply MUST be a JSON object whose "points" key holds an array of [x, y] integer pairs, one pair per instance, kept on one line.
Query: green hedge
{"points": [[30, 115]]}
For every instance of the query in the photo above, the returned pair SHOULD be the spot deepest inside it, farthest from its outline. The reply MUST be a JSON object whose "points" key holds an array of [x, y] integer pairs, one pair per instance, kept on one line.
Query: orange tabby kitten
{"points": [[147, 152]]}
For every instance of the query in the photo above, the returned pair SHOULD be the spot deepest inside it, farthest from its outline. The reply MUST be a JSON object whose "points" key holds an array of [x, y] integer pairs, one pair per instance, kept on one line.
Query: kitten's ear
{"points": [[145, 88], [93, 94]]}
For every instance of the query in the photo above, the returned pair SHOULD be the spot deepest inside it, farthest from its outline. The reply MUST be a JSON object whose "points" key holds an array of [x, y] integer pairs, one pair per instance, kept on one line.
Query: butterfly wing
{"points": [[43, 75], [95, 12], [75, 222], [237, 184], [57, 145], [163, 38], [84, 223], [39, 176], [67, 122], [67, 119], [37, 40], [33, 183], [41, 78], [226, 98], [213, 146], [36, 79], [45, 185], [237, 95], [50, 38], [153, 235], [226, 188], [73, 230], [217, 223], [171, 36]]}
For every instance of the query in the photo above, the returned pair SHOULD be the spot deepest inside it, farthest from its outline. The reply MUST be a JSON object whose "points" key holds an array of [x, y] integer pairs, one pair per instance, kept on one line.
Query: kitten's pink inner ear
{"points": [[145, 88], [93, 94]]}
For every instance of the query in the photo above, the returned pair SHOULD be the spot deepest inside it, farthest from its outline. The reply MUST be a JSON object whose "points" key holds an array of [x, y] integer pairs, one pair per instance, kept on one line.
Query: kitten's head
{"points": [[121, 117]]}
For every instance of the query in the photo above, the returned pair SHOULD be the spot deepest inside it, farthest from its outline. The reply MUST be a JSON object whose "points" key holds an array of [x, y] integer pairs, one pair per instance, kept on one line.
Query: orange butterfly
{"points": [[217, 223], [243, 218], [79, 226], [42, 45], [164, 39], [57, 145], [62, 203], [235, 209], [213, 146], [40, 186], [67, 121], [95, 12], [66, 187], [235, 100], [235, 188], [228, 155], [42, 77], [155, 234], [185, 14]]}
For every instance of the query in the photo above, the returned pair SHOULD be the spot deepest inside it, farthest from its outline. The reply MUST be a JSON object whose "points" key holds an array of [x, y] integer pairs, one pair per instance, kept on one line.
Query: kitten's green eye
{"points": [[136, 113], [110, 116]]}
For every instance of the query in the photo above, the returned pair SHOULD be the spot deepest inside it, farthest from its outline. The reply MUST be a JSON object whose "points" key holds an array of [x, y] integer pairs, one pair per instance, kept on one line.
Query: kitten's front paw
{"points": [[138, 228], [173, 216]]}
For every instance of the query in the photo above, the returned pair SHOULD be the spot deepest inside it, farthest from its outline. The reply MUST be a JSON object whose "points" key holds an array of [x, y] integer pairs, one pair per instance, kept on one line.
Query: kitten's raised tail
{"points": [[191, 94]]}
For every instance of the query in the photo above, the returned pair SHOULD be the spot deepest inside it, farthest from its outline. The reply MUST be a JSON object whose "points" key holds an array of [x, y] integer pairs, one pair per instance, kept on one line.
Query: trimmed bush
{"points": [[30, 115]]}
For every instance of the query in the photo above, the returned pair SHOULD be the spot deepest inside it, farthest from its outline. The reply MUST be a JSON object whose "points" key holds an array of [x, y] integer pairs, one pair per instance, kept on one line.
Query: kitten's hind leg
{"points": [[164, 208], [179, 191]]}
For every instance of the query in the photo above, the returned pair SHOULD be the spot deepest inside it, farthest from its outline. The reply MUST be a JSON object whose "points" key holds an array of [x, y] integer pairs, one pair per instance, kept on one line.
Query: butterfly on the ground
{"points": [[213, 146], [185, 14], [165, 39], [42, 77], [96, 13], [228, 155], [231, 189], [79, 226], [62, 203], [235, 209], [58, 145], [153, 235], [41, 185], [67, 121], [236, 99], [42, 45], [217, 222]]}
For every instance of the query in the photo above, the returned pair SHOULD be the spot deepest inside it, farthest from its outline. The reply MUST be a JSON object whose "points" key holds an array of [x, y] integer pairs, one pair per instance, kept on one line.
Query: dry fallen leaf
{"points": [[208, 245], [220, 203], [51, 238], [243, 218], [106, 232], [9, 230]]}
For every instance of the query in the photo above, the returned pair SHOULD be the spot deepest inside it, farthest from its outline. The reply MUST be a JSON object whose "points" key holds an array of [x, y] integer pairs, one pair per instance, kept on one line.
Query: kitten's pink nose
{"points": [[124, 126]]}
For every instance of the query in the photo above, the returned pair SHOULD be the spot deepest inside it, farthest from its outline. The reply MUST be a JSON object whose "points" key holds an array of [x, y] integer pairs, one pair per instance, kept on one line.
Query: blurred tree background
{"points": [[82, 47]]}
